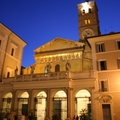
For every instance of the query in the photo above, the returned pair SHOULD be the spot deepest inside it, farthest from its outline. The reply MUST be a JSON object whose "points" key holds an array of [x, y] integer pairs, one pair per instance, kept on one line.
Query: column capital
{"points": [[13, 91], [69, 88], [91, 88]]}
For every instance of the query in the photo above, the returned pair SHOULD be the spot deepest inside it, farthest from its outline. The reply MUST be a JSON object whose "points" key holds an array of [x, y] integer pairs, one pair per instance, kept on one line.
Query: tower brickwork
{"points": [[88, 21]]}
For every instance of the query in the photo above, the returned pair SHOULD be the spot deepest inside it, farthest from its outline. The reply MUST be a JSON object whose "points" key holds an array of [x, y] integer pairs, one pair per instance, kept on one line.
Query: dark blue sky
{"points": [[39, 21]]}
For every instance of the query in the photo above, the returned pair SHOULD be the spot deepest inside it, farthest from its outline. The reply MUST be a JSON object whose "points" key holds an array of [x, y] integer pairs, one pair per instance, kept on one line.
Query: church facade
{"points": [[69, 79]]}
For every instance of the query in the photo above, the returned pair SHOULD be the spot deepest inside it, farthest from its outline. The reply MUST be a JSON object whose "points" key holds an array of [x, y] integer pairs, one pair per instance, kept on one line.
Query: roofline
{"points": [[13, 32], [73, 48], [60, 39], [112, 33]]}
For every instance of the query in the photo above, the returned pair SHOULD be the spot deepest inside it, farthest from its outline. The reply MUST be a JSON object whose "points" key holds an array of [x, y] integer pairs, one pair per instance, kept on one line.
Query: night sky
{"points": [[40, 21]]}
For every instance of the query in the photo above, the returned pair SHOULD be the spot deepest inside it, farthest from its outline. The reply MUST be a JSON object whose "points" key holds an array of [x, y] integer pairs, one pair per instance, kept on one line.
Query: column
{"points": [[1, 99], [48, 105], [69, 103], [30, 100], [14, 101], [93, 103]]}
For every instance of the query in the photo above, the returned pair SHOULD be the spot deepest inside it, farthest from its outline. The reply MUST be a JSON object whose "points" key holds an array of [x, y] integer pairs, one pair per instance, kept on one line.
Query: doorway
{"points": [[23, 103], [106, 112], [83, 104], [24, 109], [60, 105]]}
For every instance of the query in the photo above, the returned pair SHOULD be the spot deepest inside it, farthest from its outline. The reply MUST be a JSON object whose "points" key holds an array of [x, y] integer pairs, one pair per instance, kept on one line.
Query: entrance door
{"points": [[106, 112], [24, 109], [57, 107]]}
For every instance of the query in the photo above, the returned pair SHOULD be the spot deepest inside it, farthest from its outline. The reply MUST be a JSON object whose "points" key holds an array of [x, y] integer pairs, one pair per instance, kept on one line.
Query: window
{"points": [[103, 85], [0, 43], [100, 47], [87, 21], [118, 61], [57, 68], [83, 12], [118, 45], [90, 11], [8, 74], [13, 48], [12, 51], [106, 108], [102, 65]]}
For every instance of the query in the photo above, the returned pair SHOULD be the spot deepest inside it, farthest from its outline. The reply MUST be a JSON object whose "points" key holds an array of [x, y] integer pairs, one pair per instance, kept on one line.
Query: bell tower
{"points": [[88, 21]]}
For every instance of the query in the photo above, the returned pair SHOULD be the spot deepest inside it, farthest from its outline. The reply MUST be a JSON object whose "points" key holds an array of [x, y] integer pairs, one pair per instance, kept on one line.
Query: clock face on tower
{"points": [[87, 33]]}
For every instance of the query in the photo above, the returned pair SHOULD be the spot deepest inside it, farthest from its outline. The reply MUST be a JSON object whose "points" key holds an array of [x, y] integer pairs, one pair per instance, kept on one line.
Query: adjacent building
{"points": [[11, 50], [106, 67], [68, 78]]}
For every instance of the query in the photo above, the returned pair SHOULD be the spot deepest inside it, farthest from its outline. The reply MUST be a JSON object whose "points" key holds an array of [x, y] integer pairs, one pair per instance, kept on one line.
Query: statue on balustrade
{"points": [[49, 67], [32, 69], [16, 71], [68, 66]]}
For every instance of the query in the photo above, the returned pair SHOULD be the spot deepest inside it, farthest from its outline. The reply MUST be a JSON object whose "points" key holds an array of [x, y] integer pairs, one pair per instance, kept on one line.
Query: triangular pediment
{"points": [[58, 44]]}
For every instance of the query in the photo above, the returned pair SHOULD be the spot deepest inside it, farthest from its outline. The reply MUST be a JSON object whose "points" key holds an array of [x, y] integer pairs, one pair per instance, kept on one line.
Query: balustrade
{"points": [[49, 76]]}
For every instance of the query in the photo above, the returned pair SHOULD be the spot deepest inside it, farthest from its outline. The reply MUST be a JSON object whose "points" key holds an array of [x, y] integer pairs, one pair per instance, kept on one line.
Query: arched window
{"points": [[0, 42], [87, 21], [90, 11], [83, 12], [57, 68]]}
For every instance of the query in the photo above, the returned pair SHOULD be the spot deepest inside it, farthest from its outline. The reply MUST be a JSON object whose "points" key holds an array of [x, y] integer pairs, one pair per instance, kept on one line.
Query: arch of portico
{"points": [[7, 102], [83, 102], [22, 103], [67, 102], [40, 105], [60, 104]]}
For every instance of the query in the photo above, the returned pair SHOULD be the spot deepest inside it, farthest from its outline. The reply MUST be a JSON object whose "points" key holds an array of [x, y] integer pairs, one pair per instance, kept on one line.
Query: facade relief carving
{"points": [[104, 98], [60, 57]]}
